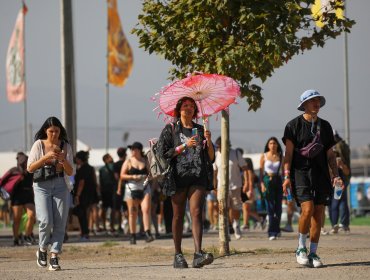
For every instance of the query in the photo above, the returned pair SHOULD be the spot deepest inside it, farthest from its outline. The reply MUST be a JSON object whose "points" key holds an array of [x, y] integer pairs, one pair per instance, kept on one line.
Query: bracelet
{"points": [[177, 149], [184, 145]]}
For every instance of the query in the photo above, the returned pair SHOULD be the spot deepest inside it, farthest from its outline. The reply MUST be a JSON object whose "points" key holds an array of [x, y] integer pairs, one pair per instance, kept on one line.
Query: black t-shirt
{"points": [[117, 166], [107, 180], [298, 131], [190, 170], [86, 173]]}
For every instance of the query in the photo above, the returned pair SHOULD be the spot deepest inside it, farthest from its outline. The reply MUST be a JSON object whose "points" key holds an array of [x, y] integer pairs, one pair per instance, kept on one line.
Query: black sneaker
{"points": [[133, 239], [28, 240], [42, 258], [179, 261], [201, 259], [16, 242], [148, 236], [54, 264]]}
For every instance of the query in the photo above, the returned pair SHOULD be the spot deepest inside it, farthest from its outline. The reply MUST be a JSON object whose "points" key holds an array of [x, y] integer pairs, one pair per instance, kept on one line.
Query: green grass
{"points": [[109, 243], [354, 221], [360, 221]]}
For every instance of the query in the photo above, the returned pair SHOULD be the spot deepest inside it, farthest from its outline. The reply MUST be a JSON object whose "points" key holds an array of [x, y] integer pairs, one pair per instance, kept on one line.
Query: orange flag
{"points": [[15, 76], [120, 57]]}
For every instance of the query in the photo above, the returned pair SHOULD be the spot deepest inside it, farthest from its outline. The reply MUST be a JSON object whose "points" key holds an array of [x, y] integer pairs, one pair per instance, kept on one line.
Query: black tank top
{"points": [[136, 171]]}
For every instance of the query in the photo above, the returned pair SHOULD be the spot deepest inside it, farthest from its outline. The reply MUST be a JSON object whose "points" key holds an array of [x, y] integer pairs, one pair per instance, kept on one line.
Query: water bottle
{"points": [[289, 195], [338, 190]]}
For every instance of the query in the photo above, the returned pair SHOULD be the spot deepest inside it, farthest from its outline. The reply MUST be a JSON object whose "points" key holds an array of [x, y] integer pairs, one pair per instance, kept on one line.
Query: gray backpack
{"points": [[158, 166]]}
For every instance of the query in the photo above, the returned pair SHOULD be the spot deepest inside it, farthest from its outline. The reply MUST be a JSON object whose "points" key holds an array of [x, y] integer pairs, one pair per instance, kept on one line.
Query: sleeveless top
{"points": [[136, 185], [271, 167]]}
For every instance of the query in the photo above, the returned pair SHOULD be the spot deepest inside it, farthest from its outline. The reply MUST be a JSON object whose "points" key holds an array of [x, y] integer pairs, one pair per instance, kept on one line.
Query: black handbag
{"points": [[45, 173], [137, 194]]}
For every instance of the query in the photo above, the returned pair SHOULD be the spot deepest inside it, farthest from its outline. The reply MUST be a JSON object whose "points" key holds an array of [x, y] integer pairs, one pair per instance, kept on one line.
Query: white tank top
{"points": [[271, 166]]}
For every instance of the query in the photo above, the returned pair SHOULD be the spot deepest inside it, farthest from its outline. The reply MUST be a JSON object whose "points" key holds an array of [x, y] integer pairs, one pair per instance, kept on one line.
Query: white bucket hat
{"points": [[309, 94]]}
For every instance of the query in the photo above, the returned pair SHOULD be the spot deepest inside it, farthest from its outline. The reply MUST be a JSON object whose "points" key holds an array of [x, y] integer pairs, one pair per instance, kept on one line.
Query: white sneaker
{"points": [[301, 255], [237, 231], [315, 260], [324, 231], [271, 238]]}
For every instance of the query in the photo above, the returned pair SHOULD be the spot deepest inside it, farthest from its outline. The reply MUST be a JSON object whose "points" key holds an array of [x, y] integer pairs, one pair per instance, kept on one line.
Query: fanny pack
{"points": [[312, 149]]}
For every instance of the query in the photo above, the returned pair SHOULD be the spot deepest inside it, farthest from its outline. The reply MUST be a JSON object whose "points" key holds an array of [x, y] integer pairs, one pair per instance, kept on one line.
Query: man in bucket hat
{"points": [[308, 156]]}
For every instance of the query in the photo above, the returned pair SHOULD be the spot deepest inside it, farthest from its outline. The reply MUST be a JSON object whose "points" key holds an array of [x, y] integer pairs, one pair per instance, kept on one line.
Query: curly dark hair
{"points": [[51, 121], [179, 104]]}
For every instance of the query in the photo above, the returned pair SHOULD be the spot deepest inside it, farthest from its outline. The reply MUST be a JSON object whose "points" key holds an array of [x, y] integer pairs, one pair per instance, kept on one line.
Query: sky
{"points": [[131, 109]]}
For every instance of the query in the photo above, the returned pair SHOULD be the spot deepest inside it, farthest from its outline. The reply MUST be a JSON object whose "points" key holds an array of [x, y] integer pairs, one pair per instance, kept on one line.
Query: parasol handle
{"points": [[203, 118], [204, 123]]}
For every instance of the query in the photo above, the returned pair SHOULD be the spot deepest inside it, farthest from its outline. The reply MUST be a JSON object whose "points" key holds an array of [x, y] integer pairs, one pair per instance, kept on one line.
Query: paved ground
{"points": [[254, 257]]}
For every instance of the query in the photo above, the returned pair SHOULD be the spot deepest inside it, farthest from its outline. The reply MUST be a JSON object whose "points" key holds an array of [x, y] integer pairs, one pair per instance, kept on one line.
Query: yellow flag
{"points": [[120, 57], [324, 6]]}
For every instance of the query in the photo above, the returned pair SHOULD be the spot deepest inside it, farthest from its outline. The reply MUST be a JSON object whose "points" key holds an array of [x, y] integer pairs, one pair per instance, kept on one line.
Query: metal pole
{"points": [[68, 94], [107, 90], [346, 87], [25, 85], [107, 116]]}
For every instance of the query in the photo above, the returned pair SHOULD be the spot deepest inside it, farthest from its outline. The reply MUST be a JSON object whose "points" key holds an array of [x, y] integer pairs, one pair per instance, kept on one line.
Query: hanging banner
{"points": [[325, 6], [15, 76], [120, 57]]}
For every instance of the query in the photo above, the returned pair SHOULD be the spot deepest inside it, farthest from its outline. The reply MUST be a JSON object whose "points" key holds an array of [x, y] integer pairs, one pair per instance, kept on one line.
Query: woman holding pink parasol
{"points": [[189, 149]]}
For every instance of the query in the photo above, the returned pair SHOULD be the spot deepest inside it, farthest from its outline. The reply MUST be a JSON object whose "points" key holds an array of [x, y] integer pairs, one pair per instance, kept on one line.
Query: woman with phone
{"points": [[49, 165], [189, 149]]}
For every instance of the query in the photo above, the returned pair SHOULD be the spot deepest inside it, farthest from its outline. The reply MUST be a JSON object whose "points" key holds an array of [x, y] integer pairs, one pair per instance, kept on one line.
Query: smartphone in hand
{"points": [[194, 132]]}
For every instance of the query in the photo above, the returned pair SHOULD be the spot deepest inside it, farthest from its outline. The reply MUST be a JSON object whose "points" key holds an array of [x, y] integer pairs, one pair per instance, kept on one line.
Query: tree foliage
{"points": [[242, 39]]}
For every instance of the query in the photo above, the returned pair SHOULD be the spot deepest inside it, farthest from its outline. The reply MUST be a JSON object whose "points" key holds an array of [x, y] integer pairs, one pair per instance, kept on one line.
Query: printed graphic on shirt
{"points": [[189, 163]]}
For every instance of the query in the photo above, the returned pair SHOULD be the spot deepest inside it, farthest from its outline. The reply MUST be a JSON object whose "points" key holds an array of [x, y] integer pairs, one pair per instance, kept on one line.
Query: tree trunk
{"points": [[223, 192]]}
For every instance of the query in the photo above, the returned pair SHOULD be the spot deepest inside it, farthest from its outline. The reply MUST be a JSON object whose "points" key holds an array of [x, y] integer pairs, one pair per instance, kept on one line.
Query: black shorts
{"points": [[107, 199], [117, 202], [304, 189], [22, 197], [244, 196]]}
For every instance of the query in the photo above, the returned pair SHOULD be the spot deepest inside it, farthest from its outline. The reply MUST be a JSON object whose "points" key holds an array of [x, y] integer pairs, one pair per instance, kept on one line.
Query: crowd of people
{"points": [[120, 195]]}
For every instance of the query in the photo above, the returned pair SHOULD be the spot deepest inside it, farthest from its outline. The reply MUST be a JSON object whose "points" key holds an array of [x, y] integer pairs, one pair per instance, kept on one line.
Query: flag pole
{"points": [[24, 79], [346, 87], [107, 89]]}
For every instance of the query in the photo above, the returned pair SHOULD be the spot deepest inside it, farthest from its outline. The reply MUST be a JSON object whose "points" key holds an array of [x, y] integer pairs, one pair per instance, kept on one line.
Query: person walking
{"points": [[50, 159], [271, 184], [22, 199], [134, 172], [189, 149], [341, 204], [236, 185], [86, 194], [343, 153], [108, 185], [308, 157], [120, 211]]}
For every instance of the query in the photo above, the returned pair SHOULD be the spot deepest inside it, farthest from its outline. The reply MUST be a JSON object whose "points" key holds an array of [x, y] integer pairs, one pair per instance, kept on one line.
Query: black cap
{"points": [[136, 145]]}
